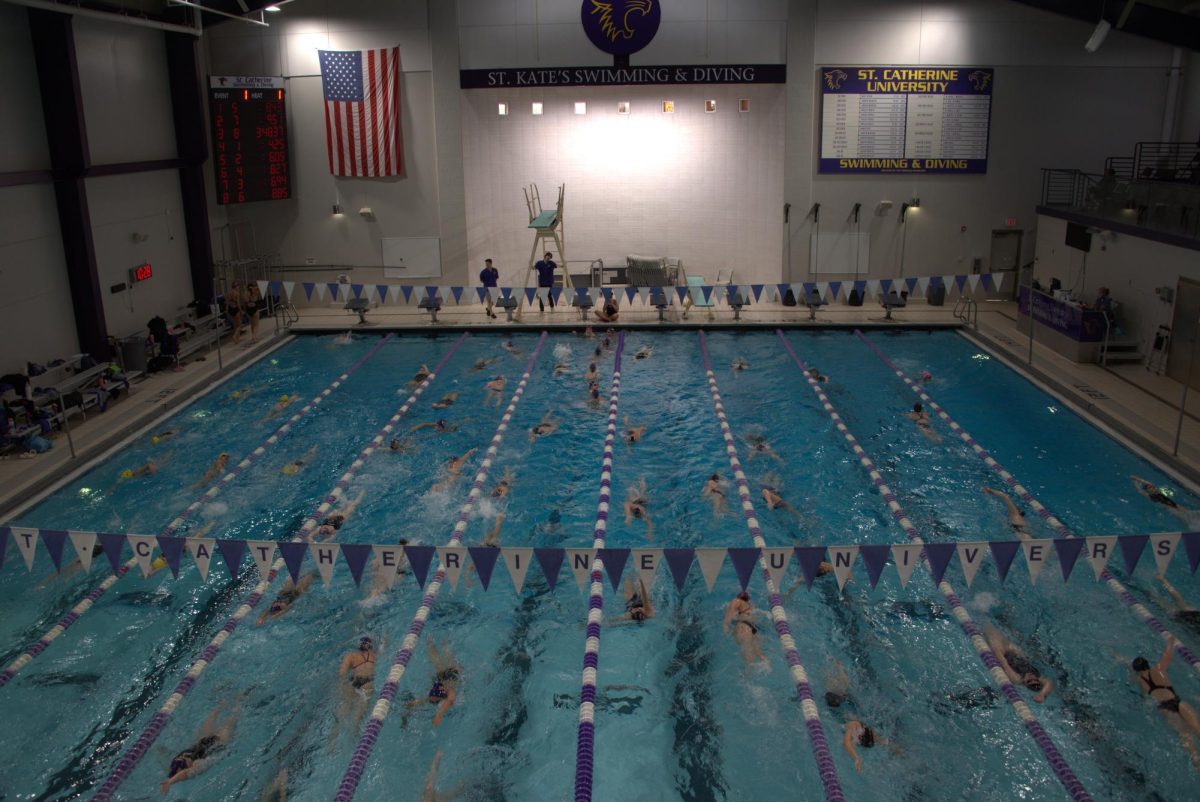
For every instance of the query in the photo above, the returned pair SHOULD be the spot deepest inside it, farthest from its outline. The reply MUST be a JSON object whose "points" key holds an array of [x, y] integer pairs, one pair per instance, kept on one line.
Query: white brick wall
{"points": [[707, 188]]}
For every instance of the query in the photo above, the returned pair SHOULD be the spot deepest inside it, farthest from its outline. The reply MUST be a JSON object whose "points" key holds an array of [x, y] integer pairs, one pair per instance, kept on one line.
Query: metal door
{"points": [[1006, 255], [1184, 330]]}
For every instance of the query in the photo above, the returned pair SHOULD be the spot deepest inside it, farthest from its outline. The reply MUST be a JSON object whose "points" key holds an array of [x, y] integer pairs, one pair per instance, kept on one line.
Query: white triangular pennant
{"points": [[645, 563], [453, 559], [971, 556], [325, 556], [201, 549], [444, 294], [643, 294], [26, 540], [998, 281], [906, 558], [396, 293], [922, 284], [85, 544], [1099, 549], [872, 289], [288, 286], [1036, 552], [543, 294], [580, 562], [143, 550], [1163, 548], [798, 291], [262, 288], [843, 562], [517, 563], [321, 290], [389, 560], [263, 553], [973, 281], [777, 564], [948, 283], [710, 564], [822, 288]]}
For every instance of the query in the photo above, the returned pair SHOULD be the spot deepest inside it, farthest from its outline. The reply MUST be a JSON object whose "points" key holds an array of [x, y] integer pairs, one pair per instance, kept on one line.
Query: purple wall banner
{"points": [[905, 119], [1082, 325]]}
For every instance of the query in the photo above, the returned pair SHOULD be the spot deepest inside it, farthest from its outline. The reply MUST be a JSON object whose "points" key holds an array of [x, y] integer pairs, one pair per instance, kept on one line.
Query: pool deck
{"points": [[1130, 401]]}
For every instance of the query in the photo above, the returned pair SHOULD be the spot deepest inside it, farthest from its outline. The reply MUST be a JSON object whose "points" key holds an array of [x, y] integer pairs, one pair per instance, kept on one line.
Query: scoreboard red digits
{"points": [[250, 139]]}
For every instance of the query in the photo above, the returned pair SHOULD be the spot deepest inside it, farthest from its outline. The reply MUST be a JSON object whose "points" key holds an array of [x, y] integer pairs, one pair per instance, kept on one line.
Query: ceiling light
{"points": [[273, 9]]}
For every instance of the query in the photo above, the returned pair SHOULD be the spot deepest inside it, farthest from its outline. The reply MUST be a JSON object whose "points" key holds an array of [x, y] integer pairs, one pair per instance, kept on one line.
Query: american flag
{"points": [[362, 111]]}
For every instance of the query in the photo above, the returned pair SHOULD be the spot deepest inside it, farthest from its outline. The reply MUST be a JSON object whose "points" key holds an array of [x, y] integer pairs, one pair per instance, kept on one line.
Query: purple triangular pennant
{"points": [[482, 293], [910, 284], [357, 290], [630, 294], [506, 292], [835, 287], [783, 289], [356, 555], [530, 294], [682, 293], [431, 293], [4, 530], [960, 282], [939, 555], [731, 291], [706, 291], [113, 545], [1003, 552], [276, 287], [743, 560], [55, 540], [810, 559], [293, 552], [614, 563], [885, 285], [419, 557], [860, 287], [382, 289], [457, 292], [581, 293], [680, 562], [333, 289], [1068, 549], [875, 558], [233, 551], [406, 290], [172, 550], [1132, 547], [308, 289], [551, 561], [756, 290], [485, 562], [986, 280], [1191, 544]]}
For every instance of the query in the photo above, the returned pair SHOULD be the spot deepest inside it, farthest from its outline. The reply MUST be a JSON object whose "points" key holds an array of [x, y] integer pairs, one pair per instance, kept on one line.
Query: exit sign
{"points": [[1010, 221]]}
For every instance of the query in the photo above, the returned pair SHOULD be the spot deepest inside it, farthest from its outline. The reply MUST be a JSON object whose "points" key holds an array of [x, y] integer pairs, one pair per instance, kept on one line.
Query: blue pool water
{"points": [[680, 716]]}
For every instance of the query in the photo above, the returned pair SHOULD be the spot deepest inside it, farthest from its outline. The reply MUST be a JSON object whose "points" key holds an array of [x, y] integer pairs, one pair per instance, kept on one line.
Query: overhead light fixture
{"points": [[1098, 36], [502, 109], [273, 9], [580, 107], [337, 210], [623, 107], [536, 108], [668, 106], [915, 203], [882, 207]]}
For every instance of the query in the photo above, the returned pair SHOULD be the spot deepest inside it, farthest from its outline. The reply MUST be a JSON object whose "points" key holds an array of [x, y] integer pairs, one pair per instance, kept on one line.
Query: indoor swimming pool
{"points": [[679, 713]]}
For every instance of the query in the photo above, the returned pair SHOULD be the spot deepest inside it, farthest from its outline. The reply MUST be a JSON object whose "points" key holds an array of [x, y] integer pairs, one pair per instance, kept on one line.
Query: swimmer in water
{"points": [[1180, 716], [1159, 495], [644, 352], [633, 434], [492, 539], [858, 734], [1016, 521], [454, 467], [507, 345], [714, 491], [740, 614], [758, 446], [421, 375], [818, 376], [837, 685], [280, 406], [588, 334], [213, 737], [926, 377], [444, 690], [241, 394], [494, 389], [356, 676], [446, 401], [504, 486], [400, 446], [214, 470], [163, 437], [295, 466], [1018, 667], [481, 364], [288, 595], [920, 416], [1186, 614], [740, 364], [561, 369], [635, 507], [590, 376], [439, 426], [149, 469], [638, 605], [334, 521], [771, 495], [547, 426], [594, 394], [824, 568]]}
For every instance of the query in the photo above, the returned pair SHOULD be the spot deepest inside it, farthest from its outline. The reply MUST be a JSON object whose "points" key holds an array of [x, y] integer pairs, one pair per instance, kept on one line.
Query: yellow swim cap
{"points": [[290, 470], [154, 439], [284, 398], [126, 474]]}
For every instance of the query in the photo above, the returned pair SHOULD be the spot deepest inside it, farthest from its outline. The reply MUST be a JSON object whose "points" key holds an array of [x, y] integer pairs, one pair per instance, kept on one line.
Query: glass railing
{"points": [[1169, 207]]}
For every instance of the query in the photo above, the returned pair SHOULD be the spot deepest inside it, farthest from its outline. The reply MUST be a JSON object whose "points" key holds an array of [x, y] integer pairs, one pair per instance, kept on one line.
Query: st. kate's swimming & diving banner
{"points": [[905, 119]]}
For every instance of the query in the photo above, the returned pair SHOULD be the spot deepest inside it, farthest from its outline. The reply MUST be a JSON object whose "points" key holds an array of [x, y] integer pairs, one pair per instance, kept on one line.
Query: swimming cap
{"points": [[154, 439], [126, 474], [284, 398]]}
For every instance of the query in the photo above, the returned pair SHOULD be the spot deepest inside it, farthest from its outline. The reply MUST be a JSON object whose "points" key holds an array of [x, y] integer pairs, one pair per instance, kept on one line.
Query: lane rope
{"points": [[1058, 763], [366, 743], [73, 615], [812, 717], [160, 719], [585, 743], [1122, 593]]}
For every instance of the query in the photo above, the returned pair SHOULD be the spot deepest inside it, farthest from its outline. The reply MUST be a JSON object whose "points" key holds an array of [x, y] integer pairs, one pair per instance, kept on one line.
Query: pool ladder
{"points": [[286, 314], [967, 310]]}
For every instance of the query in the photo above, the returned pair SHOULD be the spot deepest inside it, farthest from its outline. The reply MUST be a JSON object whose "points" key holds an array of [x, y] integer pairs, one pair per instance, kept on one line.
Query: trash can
{"points": [[936, 295], [133, 353]]}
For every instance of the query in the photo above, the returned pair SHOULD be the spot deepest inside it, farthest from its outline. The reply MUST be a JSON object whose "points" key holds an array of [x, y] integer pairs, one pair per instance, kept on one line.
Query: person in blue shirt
{"points": [[488, 277], [545, 270]]}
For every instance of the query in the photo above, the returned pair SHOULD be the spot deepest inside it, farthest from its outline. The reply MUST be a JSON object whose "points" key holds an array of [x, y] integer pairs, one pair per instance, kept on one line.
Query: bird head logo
{"points": [[620, 27], [980, 80], [835, 78]]}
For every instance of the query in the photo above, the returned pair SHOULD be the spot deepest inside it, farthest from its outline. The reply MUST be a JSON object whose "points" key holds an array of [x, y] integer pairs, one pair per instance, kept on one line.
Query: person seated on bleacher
{"points": [[168, 343], [609, 311]]}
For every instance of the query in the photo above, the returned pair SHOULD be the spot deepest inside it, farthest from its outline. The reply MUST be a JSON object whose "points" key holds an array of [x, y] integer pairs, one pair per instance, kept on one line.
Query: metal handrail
{"points": [[966, 309], [288, 312], [1104, 346]]}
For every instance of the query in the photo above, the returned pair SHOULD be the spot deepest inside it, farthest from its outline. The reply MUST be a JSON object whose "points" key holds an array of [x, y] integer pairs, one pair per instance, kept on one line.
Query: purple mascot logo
{"points": [[621, 27]]}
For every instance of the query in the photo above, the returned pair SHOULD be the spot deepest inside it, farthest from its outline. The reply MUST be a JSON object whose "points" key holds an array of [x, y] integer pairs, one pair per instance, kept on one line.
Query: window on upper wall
{"points": [[537, 109], [743, 105], [502, 109], [623, 107], [710, 106], [668, 107], [580, 107]]}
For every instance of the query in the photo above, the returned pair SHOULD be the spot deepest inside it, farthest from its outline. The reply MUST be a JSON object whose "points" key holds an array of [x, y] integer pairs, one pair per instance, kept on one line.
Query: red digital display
{"points": [[141, 272], [250, 144]]}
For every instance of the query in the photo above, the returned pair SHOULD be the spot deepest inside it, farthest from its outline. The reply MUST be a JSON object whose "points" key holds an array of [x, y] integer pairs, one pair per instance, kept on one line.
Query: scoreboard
{"points": [[250, 140]]}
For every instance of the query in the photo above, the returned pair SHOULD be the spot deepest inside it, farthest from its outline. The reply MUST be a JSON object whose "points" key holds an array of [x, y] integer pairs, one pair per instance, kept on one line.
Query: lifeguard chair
{"points": [[547, 225]]}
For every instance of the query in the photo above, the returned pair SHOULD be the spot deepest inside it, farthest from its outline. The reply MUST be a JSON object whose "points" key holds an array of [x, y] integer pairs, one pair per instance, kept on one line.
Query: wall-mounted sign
{"points": [[905, 119], [250, 138], [140, 273], [625, 76], [620, 27]]}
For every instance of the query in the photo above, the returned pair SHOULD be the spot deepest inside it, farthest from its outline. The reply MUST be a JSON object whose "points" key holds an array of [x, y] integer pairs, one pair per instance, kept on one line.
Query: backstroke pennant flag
{"points": [[743, 560], [1161, 546], [114, 545], [84, 543], [262, 552], [614, 563], [390, 560], [27, 543], [777, 563], [55, 540], [680, 562], [551, 561], [810, 559], [580, 561], [1132, 547], [1068, 549], [143, 550], [325, 556], [355, 555], [906, 557], [970, 556], [710, 564], [485, 562], [419, 557], [293, 552], [939, 555], [233, 551], [843, 562], [874, 557], [1035, 555], [645, 563], [517, 562], [362, 111], [201, 549], [1004, 552], [1191, 544], [1099, 549], [4, 530], [453, 559], [172, 550]]}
